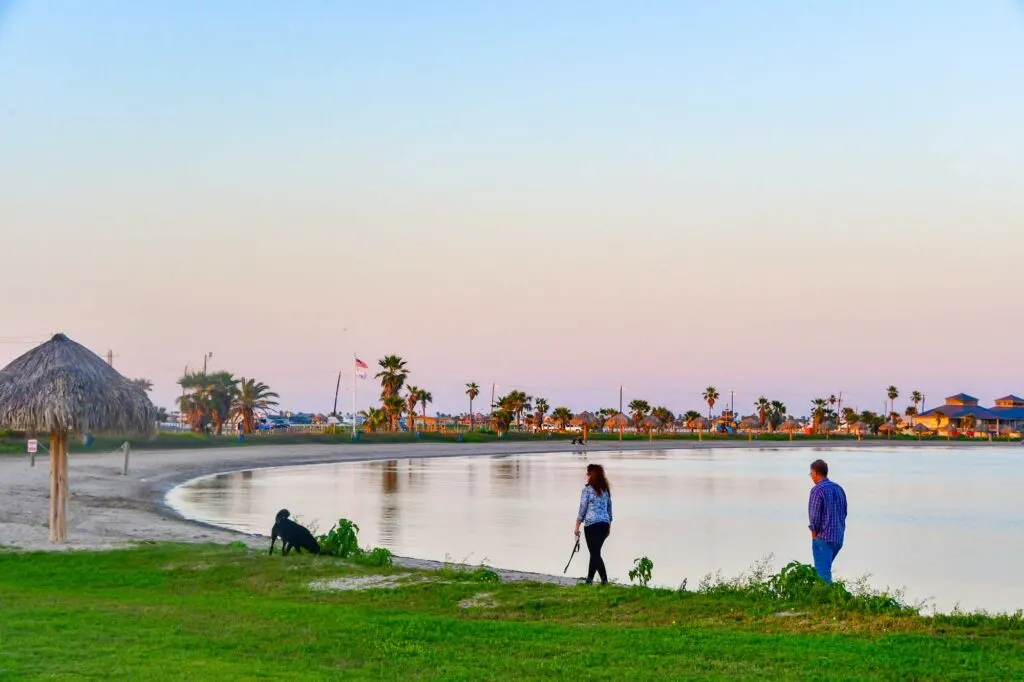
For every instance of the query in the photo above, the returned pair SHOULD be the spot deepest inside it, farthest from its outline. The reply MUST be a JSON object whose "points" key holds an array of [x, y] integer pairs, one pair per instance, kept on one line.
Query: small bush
{"points": [[379, 557], [641, 571], [799, 584], [342, 541], [479, 574]]}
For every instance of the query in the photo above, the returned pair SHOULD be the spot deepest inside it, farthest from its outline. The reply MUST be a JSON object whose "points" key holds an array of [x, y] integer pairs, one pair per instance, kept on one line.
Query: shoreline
{"points": [[109, 511]]}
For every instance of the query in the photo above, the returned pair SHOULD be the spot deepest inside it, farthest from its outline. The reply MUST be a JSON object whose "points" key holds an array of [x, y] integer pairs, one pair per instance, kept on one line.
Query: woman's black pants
{"points": [[596, 534]]}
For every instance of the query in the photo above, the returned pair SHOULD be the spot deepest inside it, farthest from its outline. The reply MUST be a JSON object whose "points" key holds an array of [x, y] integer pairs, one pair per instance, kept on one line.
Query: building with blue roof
{"points": [[1006, 414]]}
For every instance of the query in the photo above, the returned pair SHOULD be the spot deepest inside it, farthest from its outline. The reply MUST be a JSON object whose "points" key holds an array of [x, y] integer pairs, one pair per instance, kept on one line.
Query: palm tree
{"points": [[968, 422], [893, 393], [207, 398], [516, 402], [425, 397], [541, 407], [502, 419], [412, 399], [562, 416], [392, 375], [664, 414], [374, 419], [689, 416], [638, 409], [915, 397], [393, 405], [911, 412], [254, 398], [193, 403], [776, 415], [763, 406], [161, 415], [818, 413], [145, 384], [710, 397], [472, 390], [850, 416]]}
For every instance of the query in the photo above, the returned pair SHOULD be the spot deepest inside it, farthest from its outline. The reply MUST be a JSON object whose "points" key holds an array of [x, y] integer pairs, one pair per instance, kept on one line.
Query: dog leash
{"points": [[575, 549]]}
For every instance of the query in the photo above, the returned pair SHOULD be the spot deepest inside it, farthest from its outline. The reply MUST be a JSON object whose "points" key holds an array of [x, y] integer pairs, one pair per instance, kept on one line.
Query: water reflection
{"points": [[948, 517]]}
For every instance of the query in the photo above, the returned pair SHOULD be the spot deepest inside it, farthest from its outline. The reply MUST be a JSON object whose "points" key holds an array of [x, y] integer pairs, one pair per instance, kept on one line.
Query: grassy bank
{"points": [[14, 443], [206, 612]]}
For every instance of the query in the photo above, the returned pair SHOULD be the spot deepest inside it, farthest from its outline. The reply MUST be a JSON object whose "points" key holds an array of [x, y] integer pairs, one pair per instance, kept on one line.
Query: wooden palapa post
{"points": [[58, 486]]}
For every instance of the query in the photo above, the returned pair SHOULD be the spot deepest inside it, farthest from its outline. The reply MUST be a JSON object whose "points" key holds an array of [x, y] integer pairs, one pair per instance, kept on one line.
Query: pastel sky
{"points": [[785, 198]]}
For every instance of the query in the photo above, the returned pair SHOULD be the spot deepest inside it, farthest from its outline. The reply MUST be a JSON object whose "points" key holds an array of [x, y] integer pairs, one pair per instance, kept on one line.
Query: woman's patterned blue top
{"points": [[594, 508]]}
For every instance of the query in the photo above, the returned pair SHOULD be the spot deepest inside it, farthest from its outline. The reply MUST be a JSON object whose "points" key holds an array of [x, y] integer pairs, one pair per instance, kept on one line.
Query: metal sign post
{"points": [[33, 447]]}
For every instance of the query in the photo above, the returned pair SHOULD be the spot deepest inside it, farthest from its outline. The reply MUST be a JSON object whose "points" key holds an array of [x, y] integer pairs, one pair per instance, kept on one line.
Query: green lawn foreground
{"points": [[199, 612]]}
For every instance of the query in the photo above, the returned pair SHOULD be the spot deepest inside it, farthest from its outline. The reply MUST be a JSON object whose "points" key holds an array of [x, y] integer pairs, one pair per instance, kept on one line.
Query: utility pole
{"points": [[732, 402], [205, 358], [620, 399], [110, 358], [337, 387]]}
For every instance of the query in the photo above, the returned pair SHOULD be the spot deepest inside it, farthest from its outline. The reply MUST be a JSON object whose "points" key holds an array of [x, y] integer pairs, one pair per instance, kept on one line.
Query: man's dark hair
{"points": [[819, 467]]}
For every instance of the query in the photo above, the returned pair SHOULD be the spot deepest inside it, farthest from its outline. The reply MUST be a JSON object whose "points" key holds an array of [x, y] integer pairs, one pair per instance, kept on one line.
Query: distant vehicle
{"points": [[272, 423]]}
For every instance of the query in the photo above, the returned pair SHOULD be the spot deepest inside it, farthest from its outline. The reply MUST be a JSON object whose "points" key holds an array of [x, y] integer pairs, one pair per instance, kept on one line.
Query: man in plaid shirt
{"points": [[827, 511]]}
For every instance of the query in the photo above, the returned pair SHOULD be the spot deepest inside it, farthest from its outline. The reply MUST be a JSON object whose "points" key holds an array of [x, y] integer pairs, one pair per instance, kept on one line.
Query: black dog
{"points": [[292, 535]]}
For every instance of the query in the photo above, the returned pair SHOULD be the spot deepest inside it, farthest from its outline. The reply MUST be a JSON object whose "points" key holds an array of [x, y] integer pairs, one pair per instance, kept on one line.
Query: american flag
{"points": [[360, 365]]}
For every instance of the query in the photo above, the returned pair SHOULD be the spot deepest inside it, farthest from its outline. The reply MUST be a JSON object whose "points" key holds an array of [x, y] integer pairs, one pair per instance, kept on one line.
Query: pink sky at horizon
{"points": [[835, 204]]}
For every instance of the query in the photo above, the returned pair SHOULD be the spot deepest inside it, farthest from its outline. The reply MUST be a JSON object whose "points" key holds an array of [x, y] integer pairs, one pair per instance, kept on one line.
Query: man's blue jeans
{"points": [[824, 554]]}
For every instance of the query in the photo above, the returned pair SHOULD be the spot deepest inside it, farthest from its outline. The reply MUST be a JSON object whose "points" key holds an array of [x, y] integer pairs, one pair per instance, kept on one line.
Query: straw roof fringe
{"points": [[587, 418], [618, 421], [651, 422], [63, 386]]}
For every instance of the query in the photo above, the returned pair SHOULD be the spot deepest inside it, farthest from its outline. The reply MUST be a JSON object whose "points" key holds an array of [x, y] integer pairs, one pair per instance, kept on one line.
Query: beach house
{"points": [[1010, 411], [961, 408]]}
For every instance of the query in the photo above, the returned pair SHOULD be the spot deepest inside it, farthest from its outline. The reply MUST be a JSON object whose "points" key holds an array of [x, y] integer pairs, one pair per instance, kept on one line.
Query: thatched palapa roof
{"points": [[62, 386], [619, 421], [699, 423], [586, 419], [651, 422]]}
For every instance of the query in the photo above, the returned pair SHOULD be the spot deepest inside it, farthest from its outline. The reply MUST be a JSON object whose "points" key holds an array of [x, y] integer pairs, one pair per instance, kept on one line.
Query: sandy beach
{"points": [[108, 509]]}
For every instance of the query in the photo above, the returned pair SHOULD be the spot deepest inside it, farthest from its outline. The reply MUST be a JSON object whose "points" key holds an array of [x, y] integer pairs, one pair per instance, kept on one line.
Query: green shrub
{"points": [[799, 584], [341, 541], [379, 557], [641, 571]]}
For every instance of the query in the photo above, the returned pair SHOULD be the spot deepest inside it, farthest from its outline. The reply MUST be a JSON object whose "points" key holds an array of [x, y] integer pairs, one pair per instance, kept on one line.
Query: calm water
{"points": [[945, 524]]}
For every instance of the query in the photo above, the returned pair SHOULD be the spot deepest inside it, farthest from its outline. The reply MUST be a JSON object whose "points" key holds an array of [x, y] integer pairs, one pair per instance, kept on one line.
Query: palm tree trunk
{"points": [[470, 414]]}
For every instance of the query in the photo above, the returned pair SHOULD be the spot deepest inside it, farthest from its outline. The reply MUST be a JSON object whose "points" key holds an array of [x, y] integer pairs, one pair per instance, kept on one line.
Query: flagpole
{"points": [[354, 370]]}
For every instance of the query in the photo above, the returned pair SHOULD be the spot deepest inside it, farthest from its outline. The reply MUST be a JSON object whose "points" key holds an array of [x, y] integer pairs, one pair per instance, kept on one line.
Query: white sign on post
{"points": [[33, 446]]}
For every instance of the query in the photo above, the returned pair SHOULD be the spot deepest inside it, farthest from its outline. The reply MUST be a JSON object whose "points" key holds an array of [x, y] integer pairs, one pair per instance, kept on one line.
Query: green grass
{"points": [[14, 443], [166, 612]]}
